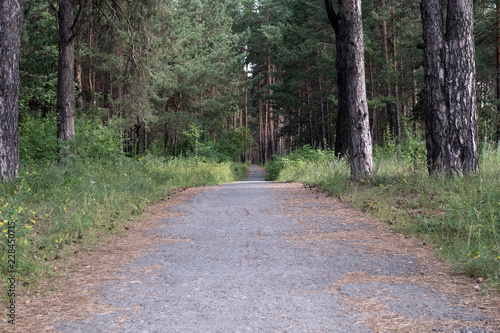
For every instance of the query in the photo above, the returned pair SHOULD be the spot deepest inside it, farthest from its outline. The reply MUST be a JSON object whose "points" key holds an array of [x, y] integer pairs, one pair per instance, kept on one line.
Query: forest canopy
{"points": [[237, 79]]}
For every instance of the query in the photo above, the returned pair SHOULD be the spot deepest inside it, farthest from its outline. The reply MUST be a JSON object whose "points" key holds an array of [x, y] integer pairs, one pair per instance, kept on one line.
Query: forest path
{"points": [[258, 256]]}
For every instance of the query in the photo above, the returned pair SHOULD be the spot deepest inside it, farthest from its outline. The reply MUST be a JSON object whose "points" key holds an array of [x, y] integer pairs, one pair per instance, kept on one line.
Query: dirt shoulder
{"points": [[370, 279], [422, 298], [72, 294]]}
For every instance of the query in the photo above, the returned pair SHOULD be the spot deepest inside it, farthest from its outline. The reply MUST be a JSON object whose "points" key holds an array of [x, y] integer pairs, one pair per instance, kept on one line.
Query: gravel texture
{"points": [[240, 264]]}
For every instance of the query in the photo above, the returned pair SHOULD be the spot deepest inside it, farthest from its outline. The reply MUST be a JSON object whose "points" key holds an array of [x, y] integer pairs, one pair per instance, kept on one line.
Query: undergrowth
{"points": [[57, 208], [460, 216]]}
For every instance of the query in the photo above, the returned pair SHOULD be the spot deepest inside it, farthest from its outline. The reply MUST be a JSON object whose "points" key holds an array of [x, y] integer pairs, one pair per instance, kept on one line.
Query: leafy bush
{"points": [[38, 139], [411, 151], [296, 158], [96, 141], [229, 147]]}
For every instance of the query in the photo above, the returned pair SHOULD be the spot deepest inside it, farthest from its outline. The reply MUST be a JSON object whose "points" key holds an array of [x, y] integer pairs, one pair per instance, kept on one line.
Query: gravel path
{"points": [[258, 256]]}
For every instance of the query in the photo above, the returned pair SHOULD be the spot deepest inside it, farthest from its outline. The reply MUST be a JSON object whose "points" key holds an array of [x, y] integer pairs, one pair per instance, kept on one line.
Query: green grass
{"points": [[460, 216], [59, 209]]}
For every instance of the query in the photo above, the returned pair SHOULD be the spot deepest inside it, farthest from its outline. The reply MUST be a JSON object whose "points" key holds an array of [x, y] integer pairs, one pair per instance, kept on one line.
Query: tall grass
{"points": [[58, 209], [460, 216]]}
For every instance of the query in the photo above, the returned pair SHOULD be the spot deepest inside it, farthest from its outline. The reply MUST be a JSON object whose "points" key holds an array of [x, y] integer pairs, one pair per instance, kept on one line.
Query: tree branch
{"points": [[82, 4], [334, 21]]}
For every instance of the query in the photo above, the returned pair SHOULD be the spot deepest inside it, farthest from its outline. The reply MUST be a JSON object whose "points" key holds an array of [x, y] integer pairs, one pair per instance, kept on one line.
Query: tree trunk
{"points": [[322, 112], [11, 23], [415, 92], [461, 77], [342, 134], [397, 110], [436, 116], [374, 111], [498, 66], [176, 140], [262, 158], [66, 74], [79, 78], [388, 88], [348, 26], [165, 149], [450, 102], [309, 112]]}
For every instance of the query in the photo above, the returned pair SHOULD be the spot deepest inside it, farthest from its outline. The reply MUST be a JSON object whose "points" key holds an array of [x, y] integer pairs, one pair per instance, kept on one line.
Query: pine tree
{"points": [[11, 21], [450, 104], [348, 28]]}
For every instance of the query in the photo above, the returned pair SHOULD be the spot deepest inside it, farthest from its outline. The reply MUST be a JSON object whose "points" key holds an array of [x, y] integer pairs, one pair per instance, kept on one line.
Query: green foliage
{"points": [[38, 68], [38, 139], [96, 141], [296, 158], [228, 147], [411, 151], [39, 143], [61, 208]]}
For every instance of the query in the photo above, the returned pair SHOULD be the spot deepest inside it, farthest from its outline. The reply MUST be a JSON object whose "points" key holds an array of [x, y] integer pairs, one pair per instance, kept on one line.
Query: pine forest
{"points": [[159, 94]]}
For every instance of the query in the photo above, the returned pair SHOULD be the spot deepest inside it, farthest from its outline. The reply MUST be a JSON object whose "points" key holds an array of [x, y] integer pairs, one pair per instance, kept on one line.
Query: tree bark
{"points": [[436, 117], [11, 23], [348, 27], [450, 101], [388, 88], [461, 77], [374, 111], [397, 110], [66, 74], [262, 155], [498, 66]]}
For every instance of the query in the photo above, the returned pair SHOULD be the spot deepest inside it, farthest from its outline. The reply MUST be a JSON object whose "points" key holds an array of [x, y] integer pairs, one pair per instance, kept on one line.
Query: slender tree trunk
{"points": [[388, 87], [262, 158], [374, 113], [241, 105], [266, 131], [176, 140], [351, 81], [247, 148], [309, 112], [450, 102], [165, 149], [79, 77], [11, 23], [322, 111], [415, 91], [272, 141], [498, 66], [91, 73], [397, 110], [66, 74]]}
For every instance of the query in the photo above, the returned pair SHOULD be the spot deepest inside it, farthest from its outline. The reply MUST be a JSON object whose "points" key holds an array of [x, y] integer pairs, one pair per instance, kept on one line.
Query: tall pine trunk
{"points": [[436, 116], [348, 26], [397, 110], [450, 101], [388, 88], [461, 74], [66, 74], [498, 66], [11, 23]]}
